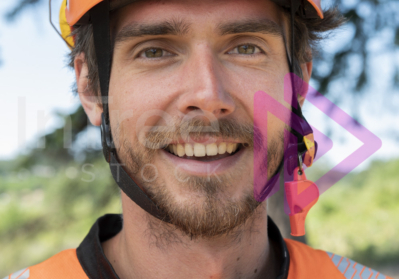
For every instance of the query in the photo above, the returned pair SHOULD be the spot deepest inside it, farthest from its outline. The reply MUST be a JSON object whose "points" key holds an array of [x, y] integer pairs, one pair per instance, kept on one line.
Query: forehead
{"points": [[197, 12]]}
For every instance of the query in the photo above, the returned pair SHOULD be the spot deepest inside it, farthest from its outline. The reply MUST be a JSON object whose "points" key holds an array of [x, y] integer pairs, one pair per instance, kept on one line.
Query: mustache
{"points": [[193, 130]]}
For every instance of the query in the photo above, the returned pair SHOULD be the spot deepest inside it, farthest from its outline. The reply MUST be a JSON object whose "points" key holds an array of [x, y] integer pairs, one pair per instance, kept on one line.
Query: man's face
{"points": [[184, 63]]}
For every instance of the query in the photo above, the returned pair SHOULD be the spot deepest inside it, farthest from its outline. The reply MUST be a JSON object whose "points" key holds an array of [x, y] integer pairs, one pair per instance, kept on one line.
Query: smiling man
{"points": [[172, 84]]}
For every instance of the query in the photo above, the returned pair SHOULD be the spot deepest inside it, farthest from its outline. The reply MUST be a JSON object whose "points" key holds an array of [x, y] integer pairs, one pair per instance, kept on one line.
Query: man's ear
{"points": [[307, 73], [88, 98]]}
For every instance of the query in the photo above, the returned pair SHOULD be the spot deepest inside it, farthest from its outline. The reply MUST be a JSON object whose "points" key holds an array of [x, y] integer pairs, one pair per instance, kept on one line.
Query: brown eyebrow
{"points": [[174, 27], [265, 26], [180, 28]]}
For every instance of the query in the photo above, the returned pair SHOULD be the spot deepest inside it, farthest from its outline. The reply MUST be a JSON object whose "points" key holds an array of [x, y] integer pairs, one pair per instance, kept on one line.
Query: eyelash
{"points": [[261, 51], [142, 52]]}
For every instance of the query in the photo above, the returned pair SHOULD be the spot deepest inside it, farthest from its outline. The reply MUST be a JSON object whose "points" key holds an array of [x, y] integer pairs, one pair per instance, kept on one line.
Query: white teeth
{"points": [[180, 150], [199, 150], [211, 149], [222, 148], [189, 149], [230, 147], [235, 147]]}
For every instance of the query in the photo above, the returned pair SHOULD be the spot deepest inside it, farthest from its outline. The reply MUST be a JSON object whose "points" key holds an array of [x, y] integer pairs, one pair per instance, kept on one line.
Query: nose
{"points": [[203, 89]]}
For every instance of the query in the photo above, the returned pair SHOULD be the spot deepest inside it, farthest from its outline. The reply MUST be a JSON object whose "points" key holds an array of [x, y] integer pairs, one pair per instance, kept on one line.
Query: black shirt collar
{"points": [[96, 265]]}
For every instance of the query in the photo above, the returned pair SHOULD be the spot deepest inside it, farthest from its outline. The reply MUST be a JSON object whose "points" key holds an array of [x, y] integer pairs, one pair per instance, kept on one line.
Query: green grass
{"points": [[359, 217]]}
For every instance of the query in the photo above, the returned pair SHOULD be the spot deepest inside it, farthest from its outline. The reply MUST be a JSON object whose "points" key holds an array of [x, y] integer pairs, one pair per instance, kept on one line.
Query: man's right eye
{"points": [[154, 53]]}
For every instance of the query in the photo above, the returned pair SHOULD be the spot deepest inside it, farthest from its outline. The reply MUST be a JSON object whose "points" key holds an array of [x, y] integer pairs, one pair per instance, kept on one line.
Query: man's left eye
{"points": [[245, 49]]}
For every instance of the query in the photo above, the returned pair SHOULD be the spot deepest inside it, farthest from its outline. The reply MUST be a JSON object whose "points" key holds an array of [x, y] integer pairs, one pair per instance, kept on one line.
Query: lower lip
{"points": [[195, 167]]}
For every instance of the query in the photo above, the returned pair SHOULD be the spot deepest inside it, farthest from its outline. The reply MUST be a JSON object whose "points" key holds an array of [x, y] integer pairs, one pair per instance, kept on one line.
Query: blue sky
{"points": [[33, 74]]}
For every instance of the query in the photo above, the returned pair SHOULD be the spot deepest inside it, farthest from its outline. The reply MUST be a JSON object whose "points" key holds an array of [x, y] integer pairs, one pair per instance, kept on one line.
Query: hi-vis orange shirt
{"points": [[88, 260]]}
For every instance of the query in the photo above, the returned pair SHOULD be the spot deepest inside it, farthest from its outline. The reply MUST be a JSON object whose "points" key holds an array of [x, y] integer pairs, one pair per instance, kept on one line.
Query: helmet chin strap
{"points": [[298, 148], [101, 33], [100, 19]]}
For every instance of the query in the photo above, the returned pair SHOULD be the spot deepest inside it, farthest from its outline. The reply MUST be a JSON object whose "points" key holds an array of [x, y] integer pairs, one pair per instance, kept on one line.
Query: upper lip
{"points": [[203, 140]]}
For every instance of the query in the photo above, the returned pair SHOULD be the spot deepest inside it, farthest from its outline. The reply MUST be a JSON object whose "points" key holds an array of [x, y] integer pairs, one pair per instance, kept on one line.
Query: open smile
{"points": [[201, 159]]}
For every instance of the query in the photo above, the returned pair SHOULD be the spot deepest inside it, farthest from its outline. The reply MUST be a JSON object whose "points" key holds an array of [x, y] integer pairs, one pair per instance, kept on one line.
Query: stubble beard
{"points": [[209, 211]]}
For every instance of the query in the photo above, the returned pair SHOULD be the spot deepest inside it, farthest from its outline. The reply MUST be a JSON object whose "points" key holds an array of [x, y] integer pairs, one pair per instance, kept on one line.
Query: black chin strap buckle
{"points": [[106, 139]]}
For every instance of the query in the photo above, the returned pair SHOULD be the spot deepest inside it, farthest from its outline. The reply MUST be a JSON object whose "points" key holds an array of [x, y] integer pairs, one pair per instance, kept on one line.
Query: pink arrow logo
{"points": [[265, 105]]}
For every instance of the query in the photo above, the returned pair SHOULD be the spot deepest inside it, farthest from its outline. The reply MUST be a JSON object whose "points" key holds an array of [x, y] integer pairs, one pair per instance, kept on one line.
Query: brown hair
{"points": [[308, 33]]}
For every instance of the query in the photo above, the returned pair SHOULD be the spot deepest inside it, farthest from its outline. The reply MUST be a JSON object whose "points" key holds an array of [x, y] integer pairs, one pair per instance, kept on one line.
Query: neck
{"points": [[155, 249]]}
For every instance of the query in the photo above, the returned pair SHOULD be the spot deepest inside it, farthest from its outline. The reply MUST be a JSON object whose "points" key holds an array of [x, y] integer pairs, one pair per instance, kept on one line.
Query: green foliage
{"points": [[41, 216], [60, 142], [369, 19], [358, 217]]}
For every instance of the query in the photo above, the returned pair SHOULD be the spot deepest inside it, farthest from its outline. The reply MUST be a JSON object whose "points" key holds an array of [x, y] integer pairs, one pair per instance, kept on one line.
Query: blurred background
{"points": [[54, 182]]}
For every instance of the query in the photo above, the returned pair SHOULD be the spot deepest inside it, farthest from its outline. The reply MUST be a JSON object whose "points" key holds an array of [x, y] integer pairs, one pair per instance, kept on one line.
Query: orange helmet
{"points": [[75, 12]]}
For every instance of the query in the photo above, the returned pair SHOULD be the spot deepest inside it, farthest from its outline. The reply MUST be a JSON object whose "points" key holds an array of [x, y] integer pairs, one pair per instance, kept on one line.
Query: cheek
{"points": [[243, 85], [144, 89], [141, 101]]}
